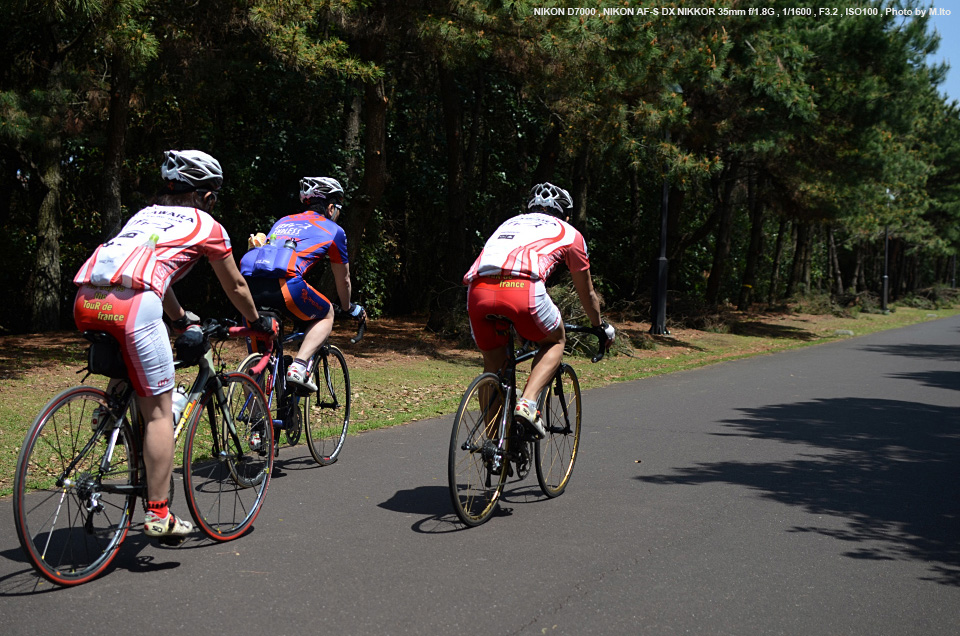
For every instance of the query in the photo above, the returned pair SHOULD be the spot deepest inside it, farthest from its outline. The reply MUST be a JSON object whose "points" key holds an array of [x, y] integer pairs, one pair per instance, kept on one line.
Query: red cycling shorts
{"points": [[135, 318], [524, 302]]}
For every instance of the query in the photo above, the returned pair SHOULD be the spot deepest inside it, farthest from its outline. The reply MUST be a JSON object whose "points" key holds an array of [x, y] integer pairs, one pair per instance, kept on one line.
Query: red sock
{"points": [[159, 508]]}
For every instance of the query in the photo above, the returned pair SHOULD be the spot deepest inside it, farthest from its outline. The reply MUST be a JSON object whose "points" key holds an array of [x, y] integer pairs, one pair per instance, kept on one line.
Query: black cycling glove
{"points": [[265, 324]]}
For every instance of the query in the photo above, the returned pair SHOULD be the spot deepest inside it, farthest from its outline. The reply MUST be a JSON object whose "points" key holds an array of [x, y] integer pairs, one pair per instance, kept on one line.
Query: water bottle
{"points": [[179, 403], [290, 244], [152, 242]]}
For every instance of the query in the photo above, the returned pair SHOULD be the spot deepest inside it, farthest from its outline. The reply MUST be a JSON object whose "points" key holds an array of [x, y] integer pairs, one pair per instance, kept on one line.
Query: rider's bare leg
{"points": [[316, 334], [545, 363], [158, 444]]}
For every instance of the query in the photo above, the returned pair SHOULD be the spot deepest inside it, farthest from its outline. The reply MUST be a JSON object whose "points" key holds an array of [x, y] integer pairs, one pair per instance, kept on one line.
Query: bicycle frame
{"points": [[120, 405], [508, 380], [289, 401]]}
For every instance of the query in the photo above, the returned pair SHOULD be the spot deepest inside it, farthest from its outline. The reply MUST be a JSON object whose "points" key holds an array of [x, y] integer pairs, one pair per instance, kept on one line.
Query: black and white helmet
{"points": [[188, 170], [312, 188], [551, 197]]}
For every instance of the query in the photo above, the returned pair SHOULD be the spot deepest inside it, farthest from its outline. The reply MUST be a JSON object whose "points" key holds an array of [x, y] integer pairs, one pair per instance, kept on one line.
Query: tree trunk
{"points": [[801, 235], [374, 179], [45, 283], [581, 185], [114, 152], [456, 204], [724, 204], [351, 129], [549, 153], [835, 262], [755, 251], [772, 293]]}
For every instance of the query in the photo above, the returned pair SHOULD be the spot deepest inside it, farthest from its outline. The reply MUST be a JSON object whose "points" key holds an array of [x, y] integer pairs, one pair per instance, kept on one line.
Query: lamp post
{"points": [[658, 319], [658, 309], [886, 259]]}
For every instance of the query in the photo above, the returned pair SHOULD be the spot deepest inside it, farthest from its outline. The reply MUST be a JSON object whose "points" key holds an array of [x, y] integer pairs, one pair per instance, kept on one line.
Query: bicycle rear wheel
{"points": [[328, 418], [69, 519], [557, 452], [476, 467], [226, 476], [267, 383]]}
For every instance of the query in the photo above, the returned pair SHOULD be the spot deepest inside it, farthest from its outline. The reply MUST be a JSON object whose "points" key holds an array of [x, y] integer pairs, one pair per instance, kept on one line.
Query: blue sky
{"points": [[949, 28]]}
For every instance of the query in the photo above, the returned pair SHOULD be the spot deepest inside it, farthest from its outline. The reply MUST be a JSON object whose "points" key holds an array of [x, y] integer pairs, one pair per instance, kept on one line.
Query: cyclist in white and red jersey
{"points": [[507, 280], [312, 235], [125, 288]]}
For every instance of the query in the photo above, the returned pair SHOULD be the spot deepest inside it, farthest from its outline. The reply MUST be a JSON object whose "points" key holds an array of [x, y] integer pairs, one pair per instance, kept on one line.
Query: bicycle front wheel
{"points": [[227, 470], [557, 452], [477, 463], [72, 504], [327, 419]]}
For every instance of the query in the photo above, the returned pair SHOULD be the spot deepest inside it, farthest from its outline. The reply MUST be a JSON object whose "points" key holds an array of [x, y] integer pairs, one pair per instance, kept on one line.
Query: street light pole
{"points": [[658, 321], [658, 309], [886, 277], [886, 261]]}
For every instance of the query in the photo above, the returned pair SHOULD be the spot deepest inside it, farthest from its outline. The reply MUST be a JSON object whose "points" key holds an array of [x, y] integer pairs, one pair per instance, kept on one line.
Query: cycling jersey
{"points": [[115, 278], [530, 246], [315, 236], [184, 235]]}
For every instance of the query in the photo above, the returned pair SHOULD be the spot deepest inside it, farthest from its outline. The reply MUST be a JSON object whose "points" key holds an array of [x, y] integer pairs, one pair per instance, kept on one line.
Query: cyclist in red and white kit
{"points": [[125, 288], [507, 279]]}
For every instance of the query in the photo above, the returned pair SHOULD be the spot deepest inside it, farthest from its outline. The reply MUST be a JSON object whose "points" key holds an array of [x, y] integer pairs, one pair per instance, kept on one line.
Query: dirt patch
{"points": [[40, 357]]}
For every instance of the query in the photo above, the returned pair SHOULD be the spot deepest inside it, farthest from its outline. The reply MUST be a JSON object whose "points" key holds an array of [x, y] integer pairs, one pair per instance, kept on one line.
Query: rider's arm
{"points": [[171, 306], [235, 287], [341, 275], [583, 283]]}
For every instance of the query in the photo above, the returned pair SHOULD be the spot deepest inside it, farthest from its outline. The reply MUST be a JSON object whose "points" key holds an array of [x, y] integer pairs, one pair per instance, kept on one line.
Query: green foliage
{"points": [[816, 118]]}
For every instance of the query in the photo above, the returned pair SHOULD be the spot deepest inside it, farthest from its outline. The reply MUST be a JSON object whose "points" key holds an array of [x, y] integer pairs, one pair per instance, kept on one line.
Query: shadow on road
{"points": [[434, 502], [890, 468], [947, 353], [130, 557]]}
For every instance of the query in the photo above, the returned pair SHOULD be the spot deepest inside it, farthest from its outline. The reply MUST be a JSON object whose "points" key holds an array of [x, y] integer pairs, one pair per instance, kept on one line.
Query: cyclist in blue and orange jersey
{"points": [[125, 289], [507, 279], [310, 235]]}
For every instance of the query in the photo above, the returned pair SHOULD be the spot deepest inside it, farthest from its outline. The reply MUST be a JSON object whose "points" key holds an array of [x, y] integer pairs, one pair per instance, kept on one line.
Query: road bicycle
{"points": [[327, 419], [81, 468], [488, 445]]}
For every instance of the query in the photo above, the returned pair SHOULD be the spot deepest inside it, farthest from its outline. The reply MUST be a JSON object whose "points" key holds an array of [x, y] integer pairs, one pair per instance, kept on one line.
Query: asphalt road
{"points": [[810, 492]]}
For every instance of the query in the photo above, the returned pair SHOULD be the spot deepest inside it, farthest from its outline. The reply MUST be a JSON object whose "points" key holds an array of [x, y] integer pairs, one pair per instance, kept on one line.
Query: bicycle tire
{"points": [[561, 411], [474, 481], [329, 417], [71, 532], [225, 485]]}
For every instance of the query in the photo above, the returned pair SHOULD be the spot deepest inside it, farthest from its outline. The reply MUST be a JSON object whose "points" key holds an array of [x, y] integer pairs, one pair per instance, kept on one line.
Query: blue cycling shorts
{"points": [[293, 294]]}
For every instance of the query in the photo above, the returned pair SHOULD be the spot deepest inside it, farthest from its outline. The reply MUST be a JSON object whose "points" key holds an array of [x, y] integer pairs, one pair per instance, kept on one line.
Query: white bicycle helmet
{"points": [[548, 196], [191, 170], [320, 188]]}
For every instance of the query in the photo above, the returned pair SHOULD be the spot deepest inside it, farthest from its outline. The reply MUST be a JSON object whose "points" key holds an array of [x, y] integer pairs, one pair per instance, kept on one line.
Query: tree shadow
{"points": [[888, 467], [20, 354], [934, 379], [757, 329], [946, 353]]}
